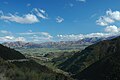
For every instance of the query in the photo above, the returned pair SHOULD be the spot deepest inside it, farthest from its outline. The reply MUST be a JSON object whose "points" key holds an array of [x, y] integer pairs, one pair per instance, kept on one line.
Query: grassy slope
{"points": [[105, 69], [26, 70], [92, 54]]}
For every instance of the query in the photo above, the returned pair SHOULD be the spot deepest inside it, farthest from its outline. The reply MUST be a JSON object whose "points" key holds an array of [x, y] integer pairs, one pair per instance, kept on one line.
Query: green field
{"points": [[49, 57], [42, 51]]}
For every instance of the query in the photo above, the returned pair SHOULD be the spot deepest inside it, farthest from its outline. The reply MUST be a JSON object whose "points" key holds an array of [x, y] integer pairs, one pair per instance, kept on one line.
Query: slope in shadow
{"points": [[10, 54], [100, 61]]}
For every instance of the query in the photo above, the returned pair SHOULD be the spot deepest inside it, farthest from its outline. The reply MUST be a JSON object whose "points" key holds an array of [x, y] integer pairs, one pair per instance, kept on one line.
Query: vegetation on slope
{"points": [[107, 52], [28, 71], [9, 54], [105, 69], [24, 70]]}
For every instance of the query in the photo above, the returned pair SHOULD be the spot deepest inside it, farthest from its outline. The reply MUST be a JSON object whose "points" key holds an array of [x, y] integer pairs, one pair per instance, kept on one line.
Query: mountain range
{"points": [[61, 45]]}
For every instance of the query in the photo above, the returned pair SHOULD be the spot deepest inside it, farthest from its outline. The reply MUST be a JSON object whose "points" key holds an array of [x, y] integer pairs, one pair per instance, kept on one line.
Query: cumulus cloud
{"points": [[59, 19], [7, 36], [113, 14], [30, 36], [104, 21], [11, 39], [39, 37], [110, 17], [73, 37], [25, 19], [112, 29]]}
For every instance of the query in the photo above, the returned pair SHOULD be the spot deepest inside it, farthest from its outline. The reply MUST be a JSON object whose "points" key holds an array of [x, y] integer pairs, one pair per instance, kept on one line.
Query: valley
{"points": [[22, 68], [71, 64], [59, 39]]}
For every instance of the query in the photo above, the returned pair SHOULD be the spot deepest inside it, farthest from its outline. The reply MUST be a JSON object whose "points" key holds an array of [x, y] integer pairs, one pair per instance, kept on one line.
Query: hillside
{"points": [[10, 54], [14, 67], [29, 70], [105, 69], [102, 56]]}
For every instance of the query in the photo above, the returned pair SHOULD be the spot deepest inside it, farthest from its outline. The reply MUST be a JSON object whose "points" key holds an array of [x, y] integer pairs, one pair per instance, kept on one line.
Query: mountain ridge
{"points": [[61, 44]]}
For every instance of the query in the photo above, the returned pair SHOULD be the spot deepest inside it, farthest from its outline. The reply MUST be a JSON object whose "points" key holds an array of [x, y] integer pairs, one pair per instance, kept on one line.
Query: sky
{"points": [[58, 20]]}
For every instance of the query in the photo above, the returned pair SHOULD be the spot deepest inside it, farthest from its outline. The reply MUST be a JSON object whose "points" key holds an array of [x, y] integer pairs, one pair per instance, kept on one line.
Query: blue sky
{"points": [[55, 20]]}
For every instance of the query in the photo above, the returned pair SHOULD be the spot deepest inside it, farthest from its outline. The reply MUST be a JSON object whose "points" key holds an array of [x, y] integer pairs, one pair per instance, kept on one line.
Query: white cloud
{"points": [[37, 36], [25, 19], [110, 17], [73, 37], [11, 39], [30, 36], [30, 18], [81, 0], [7, 36], [114, 15], [103, 21], [59, 19], [112, 29], [40, 13]]}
